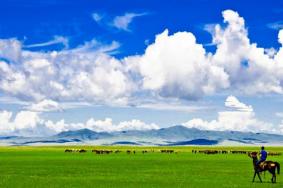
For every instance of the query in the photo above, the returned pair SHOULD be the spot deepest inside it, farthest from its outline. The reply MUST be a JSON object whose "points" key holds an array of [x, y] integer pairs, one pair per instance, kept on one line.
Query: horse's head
{"points": [[253, 155]]}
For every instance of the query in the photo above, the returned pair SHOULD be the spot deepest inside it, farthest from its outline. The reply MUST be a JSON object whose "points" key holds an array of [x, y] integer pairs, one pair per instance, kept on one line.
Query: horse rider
{"points": [[263, 156]]}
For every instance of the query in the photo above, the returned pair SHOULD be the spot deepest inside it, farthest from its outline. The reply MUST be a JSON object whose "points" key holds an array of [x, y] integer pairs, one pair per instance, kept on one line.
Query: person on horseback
{"points": [[269, 166], [263, 156]]}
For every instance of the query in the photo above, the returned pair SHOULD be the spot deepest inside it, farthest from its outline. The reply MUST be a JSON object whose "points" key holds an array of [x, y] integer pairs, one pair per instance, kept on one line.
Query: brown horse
{"points": [[264, 166]]}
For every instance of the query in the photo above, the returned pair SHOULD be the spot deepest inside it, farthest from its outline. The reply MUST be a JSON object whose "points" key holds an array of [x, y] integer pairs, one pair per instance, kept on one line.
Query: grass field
{"points": [[52, 167]]}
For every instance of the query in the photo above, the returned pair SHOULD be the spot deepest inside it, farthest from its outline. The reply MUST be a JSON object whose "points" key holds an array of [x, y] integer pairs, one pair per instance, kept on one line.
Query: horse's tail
{"points": [[278, 167]]}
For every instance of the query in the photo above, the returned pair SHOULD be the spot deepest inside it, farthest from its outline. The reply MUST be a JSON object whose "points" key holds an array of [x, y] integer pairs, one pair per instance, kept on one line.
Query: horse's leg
{"points": [[272, 171], [259, 177], [273, 176], [254, 177]]}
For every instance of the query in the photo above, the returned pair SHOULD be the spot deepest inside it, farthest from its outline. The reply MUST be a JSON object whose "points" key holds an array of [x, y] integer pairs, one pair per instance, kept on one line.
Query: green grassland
{"points": [[52, 167]]}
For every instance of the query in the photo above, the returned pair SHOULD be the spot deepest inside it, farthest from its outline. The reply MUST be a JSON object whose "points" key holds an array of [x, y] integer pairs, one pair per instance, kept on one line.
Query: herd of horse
{"points": [[207, 151], [99, 151], [270, 166], [75, 150]]}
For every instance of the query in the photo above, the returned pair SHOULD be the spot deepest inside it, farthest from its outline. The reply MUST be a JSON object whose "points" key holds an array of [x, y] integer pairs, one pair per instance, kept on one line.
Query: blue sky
{"points": [[39, 21], [143, 64]]}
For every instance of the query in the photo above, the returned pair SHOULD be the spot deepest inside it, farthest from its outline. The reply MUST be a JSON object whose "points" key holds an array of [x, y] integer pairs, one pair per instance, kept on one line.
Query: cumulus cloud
{"points": [[173, 66], [250, 69], [105, 125], [233, 103], [29, 123], [86, 73], [239, 117], [177, 66], [10, 49], [23, 120]]}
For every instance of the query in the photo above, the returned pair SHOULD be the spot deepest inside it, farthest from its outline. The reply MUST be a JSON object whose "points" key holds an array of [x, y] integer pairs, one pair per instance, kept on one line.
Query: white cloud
{"points": [[233, 103], [28, 123], [97, 17], [48, 105], [271, 52], [280, 37], [123, 22], [23, 120], [105, 125], [250, 70], [26, 119], [57, 40], [279, 114], [167, 106], [209, 27], [12, 100], [235, 119], [276, 25], [5, 117], [108, 126], [45, 105], [173, 66], [10, 49], [86, 73], [176, 66]]}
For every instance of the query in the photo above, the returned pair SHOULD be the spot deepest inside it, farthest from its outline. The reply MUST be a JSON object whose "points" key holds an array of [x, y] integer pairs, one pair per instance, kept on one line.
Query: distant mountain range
{"points": [[172, 136]]}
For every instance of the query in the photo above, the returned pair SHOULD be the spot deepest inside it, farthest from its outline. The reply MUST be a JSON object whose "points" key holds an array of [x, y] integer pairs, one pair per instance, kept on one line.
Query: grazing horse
{"points": [[144, 151], [82, 150], [264, 166], [102, 151], [167, 151]]}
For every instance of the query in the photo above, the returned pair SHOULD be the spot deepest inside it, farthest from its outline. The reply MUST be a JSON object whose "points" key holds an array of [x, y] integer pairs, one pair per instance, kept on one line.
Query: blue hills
{"points": [[171, 136], [83, 134]]}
